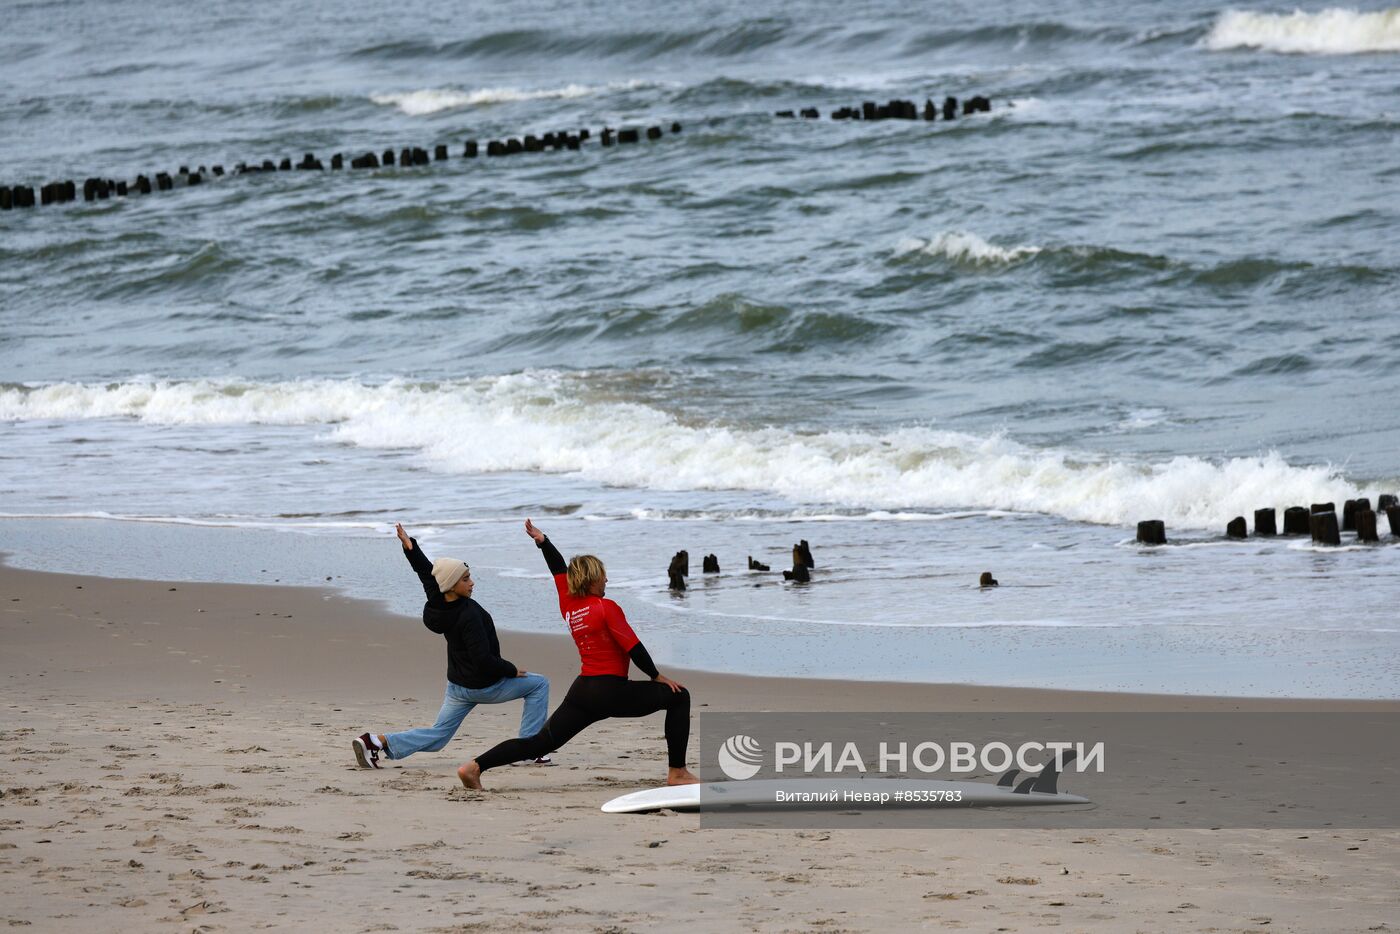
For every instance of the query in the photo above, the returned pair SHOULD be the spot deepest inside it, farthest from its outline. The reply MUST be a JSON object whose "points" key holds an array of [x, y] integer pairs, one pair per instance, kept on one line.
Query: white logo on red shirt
{"points": [[575, 619]]}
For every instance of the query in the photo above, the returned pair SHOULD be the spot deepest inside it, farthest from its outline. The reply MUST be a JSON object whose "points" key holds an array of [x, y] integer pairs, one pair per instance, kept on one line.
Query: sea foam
{"points": [[1332, 31], [558, 423], [433, 100], [964, 247]]}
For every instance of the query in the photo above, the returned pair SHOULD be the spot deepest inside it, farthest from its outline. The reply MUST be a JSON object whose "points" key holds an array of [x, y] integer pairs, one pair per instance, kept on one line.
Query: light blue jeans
{"points": [[459, 701]]}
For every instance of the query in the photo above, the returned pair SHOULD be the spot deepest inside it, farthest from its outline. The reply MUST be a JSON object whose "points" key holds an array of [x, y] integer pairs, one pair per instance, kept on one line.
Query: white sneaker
{"points": [[366, 752]]}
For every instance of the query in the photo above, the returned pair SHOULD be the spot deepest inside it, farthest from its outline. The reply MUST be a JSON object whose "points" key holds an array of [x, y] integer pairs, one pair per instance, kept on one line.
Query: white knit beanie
{"points": [[447, 572]]}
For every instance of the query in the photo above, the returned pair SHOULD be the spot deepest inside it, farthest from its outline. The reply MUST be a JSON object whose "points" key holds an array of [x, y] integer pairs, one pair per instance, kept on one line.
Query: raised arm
{"points": [[419, 562], [551, 554]]}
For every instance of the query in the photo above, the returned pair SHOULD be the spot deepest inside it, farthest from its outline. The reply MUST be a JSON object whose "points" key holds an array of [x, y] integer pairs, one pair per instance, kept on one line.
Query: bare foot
{"points": [[470, 774], [674, 777]]}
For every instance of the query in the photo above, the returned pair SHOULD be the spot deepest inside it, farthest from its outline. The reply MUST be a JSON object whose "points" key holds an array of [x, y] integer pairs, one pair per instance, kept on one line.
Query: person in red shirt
{"points": [[607, 646]]}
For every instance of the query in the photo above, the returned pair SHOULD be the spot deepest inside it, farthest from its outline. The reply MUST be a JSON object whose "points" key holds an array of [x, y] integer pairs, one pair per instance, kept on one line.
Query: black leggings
{"points": [[597, 697]]}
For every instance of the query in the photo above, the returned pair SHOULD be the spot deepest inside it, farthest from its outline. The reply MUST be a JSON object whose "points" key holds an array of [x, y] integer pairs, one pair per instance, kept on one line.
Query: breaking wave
{"points": [[564, 423], [434, 100], [963, 247], [1333, 31]]}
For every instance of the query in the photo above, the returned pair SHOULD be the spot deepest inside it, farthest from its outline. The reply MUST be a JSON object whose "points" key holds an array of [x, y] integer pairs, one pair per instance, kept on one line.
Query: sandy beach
{"points": [[178, 758]]}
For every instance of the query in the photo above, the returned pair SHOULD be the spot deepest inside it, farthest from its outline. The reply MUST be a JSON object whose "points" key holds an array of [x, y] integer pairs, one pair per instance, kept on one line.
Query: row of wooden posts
{"points": [[898, 110], [1318, 521], [802, 564], [101, 189]]}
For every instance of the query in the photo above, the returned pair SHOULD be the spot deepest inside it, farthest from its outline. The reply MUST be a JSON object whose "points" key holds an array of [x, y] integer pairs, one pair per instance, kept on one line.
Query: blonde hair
{"points": [[584, 572]]}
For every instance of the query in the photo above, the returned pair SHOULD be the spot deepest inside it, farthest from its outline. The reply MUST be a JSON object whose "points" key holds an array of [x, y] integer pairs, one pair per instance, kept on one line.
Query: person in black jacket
{"points": [[476, 672]]}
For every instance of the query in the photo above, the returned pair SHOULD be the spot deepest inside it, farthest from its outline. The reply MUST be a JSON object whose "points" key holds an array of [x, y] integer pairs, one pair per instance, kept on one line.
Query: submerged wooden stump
{"points": [[1357, 506], [1366, 526], [1324, 528], [1265, 522], [679, 570], [803, 550], [1295, 521], [799, 573], [1152, 532]]}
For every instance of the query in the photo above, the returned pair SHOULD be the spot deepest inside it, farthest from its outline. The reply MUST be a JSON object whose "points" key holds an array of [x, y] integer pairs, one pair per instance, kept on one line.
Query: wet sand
{"points": [[177, 756]]}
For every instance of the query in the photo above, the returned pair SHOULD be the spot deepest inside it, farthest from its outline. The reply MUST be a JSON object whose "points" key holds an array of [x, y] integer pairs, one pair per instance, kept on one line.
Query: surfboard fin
{"points": [[1049, 776], [1006, 780], [1025, 787]]}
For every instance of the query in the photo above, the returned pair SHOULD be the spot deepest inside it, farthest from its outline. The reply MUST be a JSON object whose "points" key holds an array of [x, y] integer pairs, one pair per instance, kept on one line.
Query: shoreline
{"points": [[1042, 629], [214, 604]]}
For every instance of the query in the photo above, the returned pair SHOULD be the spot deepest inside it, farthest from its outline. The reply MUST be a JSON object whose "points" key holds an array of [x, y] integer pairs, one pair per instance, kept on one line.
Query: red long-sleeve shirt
{"points": [[606, 643], [600, 631]]}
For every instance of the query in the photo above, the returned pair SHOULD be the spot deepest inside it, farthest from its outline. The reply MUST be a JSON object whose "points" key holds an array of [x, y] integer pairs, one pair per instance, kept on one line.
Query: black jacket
{"points": [[473, 651]]}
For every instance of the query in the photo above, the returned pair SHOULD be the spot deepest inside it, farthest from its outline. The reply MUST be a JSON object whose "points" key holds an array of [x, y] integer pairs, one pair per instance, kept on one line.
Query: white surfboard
{"points": [[840, 794]]}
